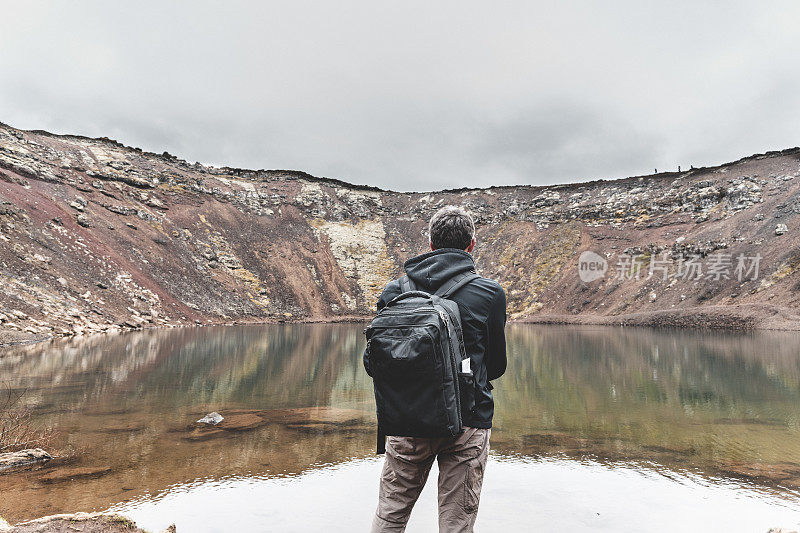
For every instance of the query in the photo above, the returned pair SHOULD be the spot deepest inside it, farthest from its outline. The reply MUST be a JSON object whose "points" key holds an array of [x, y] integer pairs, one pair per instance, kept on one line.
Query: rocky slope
{"points": [[97, 236]]}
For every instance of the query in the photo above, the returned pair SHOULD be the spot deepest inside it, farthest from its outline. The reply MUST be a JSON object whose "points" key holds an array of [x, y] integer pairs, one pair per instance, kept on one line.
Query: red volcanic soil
{"points": [[99, 237]]}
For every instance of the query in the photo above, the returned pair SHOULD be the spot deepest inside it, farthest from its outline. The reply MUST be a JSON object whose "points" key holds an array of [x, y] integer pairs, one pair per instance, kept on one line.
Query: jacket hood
{"points": [[428, 271]]}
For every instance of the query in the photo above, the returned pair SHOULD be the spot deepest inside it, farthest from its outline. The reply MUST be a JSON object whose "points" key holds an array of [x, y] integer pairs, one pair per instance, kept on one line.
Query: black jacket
{"points": [[482, 304]]}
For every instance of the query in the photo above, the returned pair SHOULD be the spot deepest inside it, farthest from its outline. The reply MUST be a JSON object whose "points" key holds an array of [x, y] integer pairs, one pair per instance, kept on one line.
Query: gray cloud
{"points": [[565, 141], [413, 95]]}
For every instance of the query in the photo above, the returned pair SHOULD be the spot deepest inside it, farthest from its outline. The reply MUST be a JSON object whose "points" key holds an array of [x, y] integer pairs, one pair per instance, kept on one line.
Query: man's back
{"points": [[482, 304]]}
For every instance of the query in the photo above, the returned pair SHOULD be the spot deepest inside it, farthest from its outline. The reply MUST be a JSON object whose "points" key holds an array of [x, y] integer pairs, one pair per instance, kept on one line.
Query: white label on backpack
{"points": [[465, 366]]}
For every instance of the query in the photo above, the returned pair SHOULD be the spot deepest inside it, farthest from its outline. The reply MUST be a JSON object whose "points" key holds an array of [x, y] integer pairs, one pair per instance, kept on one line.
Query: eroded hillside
{"points": [[96, 236]]}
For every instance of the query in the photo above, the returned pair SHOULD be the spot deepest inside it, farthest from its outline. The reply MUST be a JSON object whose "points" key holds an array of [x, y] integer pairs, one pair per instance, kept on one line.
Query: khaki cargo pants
{"points": [[462, 461]]}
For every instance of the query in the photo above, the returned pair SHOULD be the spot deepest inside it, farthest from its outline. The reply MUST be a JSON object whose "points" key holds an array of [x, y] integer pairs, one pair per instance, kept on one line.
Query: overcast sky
{"points": [[413, 95]]}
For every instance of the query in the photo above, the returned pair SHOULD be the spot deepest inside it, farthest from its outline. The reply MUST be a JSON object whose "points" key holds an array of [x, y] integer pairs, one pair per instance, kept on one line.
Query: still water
{"points": [[596, 429]]}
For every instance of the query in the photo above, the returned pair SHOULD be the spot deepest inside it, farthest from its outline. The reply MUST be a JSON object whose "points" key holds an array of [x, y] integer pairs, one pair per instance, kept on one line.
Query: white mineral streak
{"points": [[242, 184], [360, 251]]}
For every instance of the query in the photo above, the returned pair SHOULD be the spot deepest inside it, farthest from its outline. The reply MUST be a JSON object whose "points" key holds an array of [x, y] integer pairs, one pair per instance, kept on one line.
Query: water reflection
{"points": [[726, 403], [721, 406]]}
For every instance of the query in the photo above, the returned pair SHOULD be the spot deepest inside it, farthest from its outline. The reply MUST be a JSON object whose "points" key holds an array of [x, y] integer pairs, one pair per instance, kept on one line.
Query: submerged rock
{"points": [[242, 422], [303, 419], [69, 474], [211, 419]]}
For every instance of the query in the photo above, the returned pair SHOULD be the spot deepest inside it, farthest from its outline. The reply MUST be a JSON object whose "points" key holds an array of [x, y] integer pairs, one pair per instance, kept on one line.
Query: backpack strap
{"points": [[456, 282], [406, 284]]}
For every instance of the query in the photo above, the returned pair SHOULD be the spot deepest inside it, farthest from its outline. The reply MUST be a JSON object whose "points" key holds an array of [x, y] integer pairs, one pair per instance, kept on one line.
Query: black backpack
{"points": [[415, 354]]}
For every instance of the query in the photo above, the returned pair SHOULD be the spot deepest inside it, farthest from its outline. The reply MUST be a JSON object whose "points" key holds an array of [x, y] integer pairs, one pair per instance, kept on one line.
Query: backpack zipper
{"points": [[415, 310], [454, 365]]}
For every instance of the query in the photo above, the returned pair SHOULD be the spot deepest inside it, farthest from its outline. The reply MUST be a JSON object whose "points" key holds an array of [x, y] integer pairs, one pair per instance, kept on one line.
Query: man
{"points": [[462, 459]]}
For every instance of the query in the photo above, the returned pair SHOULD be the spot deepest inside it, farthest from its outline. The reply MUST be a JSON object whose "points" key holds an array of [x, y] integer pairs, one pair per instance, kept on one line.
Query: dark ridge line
{"points": [[299, 174], [660, 175]]}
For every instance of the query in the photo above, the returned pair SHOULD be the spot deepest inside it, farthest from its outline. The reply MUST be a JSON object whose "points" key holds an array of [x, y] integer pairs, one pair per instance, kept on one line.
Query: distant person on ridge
{"points": [[432, 353]]}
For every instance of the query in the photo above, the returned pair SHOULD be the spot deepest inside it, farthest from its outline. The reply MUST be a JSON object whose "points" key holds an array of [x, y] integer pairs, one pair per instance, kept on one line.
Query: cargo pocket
{"points": [[472, 485]]}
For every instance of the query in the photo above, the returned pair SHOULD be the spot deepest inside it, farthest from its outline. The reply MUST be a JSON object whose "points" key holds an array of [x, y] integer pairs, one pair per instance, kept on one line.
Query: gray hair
{"points": [[451, 227]]}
